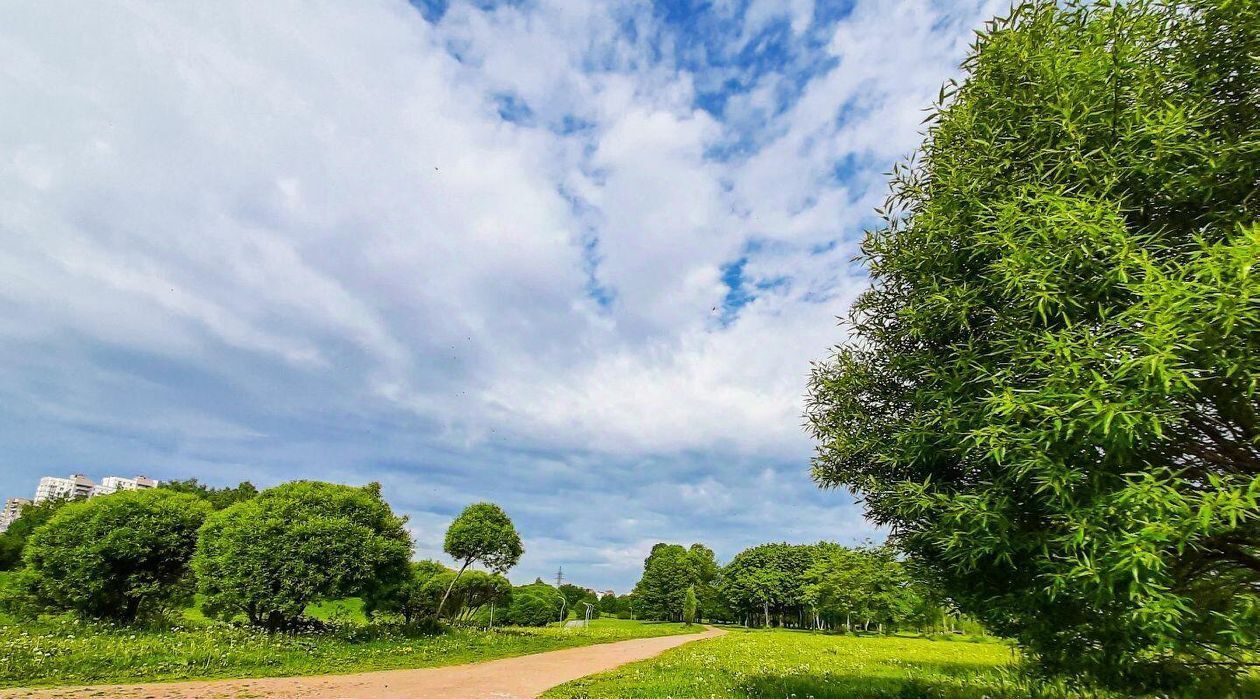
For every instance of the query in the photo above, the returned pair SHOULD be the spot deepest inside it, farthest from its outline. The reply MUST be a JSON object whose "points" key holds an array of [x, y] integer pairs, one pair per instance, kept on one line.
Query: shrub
{"points": [[414, 596], [118, 557], [537, 604], [302, 542]]}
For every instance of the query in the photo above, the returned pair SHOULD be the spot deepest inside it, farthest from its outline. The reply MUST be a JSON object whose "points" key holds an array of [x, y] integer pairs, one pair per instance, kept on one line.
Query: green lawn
{"points": [[65, 651], [803, 665]]}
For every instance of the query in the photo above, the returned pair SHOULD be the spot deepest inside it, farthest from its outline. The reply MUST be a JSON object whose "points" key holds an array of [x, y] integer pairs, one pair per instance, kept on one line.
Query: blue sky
{"points": [[571, 257]]}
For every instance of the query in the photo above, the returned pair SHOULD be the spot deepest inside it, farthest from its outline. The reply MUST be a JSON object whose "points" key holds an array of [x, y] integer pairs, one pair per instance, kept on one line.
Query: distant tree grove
{"points": [[823, 586], [263, 557], [1051, 394]]}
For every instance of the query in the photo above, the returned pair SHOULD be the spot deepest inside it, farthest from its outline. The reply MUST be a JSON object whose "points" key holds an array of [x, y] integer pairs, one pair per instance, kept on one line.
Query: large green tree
{"points": [[295, 544], [766, 582], [864, 587], [668, 572], [1051, 392], [121, 557]]}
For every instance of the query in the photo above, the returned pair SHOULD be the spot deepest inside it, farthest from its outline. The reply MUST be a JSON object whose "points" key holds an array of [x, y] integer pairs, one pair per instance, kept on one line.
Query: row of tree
{"points": [[820, 586], [262, 556]]}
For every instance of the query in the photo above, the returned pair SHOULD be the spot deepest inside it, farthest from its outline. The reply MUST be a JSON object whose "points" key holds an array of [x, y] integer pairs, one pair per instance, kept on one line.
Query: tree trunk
{"points": [[765, 608], [450, 587]]}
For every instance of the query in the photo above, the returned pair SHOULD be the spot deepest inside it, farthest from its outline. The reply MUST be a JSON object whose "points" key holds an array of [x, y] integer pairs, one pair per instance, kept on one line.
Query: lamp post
{"points": [[563, 603]]}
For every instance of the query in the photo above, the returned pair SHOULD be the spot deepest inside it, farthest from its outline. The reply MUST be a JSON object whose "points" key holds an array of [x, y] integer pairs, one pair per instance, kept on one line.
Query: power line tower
{"points": [[560, 576]]}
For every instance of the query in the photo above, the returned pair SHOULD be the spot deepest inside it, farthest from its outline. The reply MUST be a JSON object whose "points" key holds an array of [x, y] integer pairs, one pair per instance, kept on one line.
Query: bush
{"points": [[302, 542], [118, 557], [537, 604], [413, 597]]}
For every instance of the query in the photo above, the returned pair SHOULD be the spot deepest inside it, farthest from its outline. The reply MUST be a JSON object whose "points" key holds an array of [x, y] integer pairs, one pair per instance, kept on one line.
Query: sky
{"points": [[571, 257]]}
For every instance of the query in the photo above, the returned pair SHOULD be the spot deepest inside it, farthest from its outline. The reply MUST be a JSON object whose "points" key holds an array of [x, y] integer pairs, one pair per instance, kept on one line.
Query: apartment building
{"points": [[113, 484], [80, 486], [12, 510], [76, 486]]}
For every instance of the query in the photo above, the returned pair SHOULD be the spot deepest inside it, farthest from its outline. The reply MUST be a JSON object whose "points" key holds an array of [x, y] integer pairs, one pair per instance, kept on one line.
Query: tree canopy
{"points": [[535, 604], [482, 533], [219, 498], [1051, 395], [119, 557], [767, 579], [298, 543], [668, 572]]}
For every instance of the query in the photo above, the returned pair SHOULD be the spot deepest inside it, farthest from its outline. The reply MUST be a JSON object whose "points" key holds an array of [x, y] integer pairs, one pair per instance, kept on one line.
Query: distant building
{"points": [[113, 484], [600, 595], [80, 486], [51, 487], [12, 510]]}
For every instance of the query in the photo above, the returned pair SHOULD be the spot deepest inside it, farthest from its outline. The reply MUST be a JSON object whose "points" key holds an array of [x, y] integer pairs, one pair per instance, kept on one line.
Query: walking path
{"points": [[511, 678]]}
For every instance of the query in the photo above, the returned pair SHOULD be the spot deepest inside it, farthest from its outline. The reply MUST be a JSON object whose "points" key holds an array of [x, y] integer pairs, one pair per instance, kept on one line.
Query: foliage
{"points": [[118, 557], [219, 498], [410, 597], [477, 589], [689, 606], [65, 651], [865, 587], [1052, 394], [779, 663], [535, 604], [13, 540], [573, 595], [768, 579], [609, 604], [482, 533], [298, 543], [579, 607], [625, 606], [668, 572]]}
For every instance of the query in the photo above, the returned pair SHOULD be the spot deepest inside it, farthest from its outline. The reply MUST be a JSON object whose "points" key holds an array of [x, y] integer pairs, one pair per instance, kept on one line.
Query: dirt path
{"points": [[510, 678]]}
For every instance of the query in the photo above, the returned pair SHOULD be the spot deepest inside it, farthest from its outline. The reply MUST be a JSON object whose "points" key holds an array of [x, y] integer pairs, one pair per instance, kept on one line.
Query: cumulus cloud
{"points": [[572, 257]]}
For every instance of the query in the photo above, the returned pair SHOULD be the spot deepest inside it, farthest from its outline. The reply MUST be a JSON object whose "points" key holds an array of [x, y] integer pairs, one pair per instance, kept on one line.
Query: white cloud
{"points": [[273, 240]]}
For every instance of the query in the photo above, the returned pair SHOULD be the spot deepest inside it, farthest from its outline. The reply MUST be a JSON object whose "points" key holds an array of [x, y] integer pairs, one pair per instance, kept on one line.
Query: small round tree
{"points": [[482, 533], [298, 543], [118, 557]]}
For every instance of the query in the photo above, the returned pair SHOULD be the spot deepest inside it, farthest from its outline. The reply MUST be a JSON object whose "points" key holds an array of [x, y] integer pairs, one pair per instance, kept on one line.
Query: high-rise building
{"points": [[12, 510], [113, 484], [76, 486]]}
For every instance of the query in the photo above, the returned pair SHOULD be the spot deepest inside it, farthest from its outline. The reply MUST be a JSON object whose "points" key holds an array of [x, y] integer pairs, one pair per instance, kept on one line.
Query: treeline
{"points": [[818, 586], [263, 557]]}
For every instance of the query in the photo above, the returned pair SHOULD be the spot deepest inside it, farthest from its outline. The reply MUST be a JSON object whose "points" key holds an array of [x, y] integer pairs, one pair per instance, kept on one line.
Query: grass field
{"points": [[801, 665], [65, 651]]}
